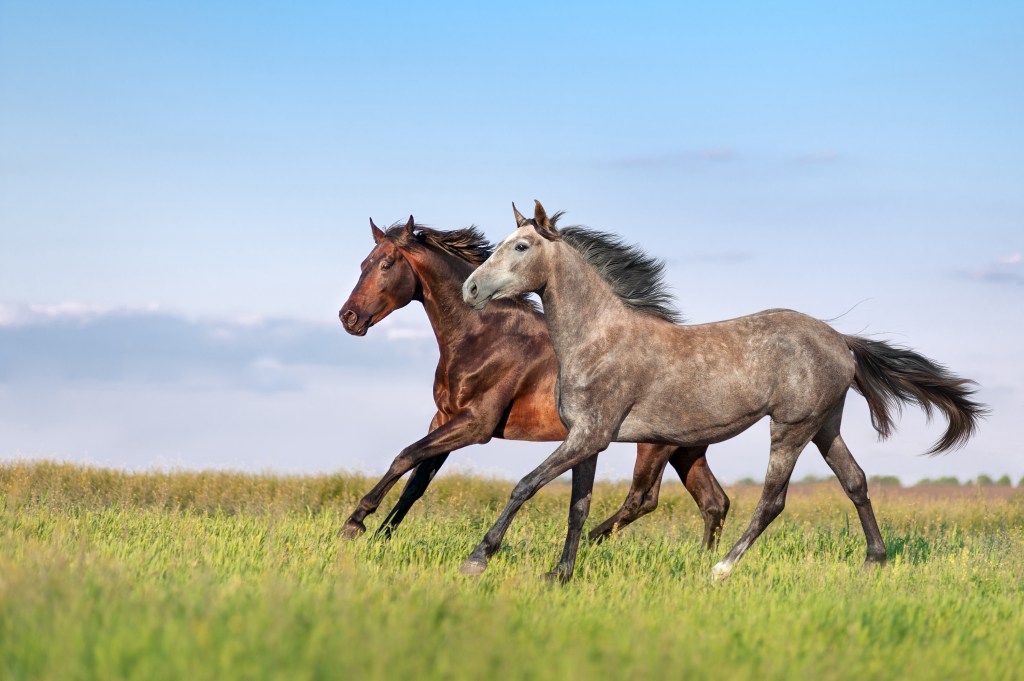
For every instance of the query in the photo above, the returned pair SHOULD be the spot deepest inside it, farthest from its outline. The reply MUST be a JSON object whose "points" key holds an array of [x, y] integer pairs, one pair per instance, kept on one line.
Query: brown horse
{"points": [[629, 373], [495, 378]]}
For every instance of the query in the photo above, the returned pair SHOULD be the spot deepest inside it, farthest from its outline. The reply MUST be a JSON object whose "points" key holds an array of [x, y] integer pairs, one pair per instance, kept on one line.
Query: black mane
{"points": [[468, 244]]}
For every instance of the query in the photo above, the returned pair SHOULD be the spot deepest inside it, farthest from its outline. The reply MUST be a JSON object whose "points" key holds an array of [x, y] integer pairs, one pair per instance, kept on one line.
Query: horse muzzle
{"points": [[353, 323], [473, 296]]}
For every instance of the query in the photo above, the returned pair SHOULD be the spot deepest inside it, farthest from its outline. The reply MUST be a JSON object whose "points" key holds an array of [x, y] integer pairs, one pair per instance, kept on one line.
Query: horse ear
{"points": [[540, 216], [520, 220], [378, 235], [543, 223], [409, 227]]}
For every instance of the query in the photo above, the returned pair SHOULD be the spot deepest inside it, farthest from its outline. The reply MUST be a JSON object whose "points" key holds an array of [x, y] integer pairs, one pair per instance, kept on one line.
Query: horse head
{"points": [[387, 281], [519, 264]]}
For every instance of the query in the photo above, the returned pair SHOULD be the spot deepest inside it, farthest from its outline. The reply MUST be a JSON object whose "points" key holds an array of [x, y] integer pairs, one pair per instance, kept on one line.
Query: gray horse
{"points": [[627, 373]]}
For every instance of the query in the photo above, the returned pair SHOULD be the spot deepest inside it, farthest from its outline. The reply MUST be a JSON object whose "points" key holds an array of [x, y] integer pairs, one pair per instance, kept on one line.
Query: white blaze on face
{"points": [[509, 239], [512, 238]]}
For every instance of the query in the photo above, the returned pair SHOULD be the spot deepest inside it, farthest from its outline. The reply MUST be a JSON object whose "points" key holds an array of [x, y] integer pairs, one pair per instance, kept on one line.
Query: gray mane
{"points": [[637, 278]]}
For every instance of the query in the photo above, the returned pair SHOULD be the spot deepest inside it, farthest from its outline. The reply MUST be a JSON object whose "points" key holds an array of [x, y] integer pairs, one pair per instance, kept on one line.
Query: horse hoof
{"points": [[556, 576], [473, 567], [721, 572], [875, 561], [351, 530]]}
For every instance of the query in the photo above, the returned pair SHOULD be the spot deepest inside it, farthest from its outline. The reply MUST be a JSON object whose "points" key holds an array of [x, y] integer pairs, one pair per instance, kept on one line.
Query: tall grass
{"points": [[107, 575]]}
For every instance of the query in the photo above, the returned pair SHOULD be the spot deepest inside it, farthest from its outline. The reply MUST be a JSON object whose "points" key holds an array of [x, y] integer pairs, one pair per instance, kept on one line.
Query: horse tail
{"points": [[889, 376]]}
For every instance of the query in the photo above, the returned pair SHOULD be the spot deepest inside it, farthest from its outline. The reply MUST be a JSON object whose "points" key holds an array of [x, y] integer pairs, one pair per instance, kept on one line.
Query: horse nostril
{"points": [[472, 290], [348, 317]]}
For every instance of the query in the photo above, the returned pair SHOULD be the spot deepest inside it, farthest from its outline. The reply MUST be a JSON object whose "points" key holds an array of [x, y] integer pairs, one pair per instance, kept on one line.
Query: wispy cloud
{"points": [[74, 342], [25, 315], [1006, 269], [1012, 259]]}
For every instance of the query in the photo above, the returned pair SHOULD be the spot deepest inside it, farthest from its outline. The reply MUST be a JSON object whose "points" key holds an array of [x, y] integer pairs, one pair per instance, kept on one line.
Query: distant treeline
{"points": [[946, 480]]}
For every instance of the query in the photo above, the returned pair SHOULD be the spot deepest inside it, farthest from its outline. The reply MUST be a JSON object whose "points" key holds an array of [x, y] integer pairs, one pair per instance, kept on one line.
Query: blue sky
{"points": [[184, 190]]}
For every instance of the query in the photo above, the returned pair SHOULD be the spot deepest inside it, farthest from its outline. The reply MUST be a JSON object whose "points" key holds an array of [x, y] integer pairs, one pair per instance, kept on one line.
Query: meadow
{"points": [[183, 575]]}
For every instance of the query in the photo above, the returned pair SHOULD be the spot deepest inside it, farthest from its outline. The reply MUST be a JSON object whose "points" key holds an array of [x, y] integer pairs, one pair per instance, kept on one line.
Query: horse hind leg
{"points": [[836, 454], [642, 497], [788, 440], [692, 466]]}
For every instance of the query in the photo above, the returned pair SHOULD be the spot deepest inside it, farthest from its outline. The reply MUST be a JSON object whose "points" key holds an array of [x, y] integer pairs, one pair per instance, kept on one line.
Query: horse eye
{"points": [[385, 266], [521, 247]]}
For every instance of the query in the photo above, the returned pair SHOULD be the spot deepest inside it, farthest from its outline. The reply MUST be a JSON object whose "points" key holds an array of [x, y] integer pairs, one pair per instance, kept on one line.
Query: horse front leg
{"points": [[462, 430], [578, 446], [579, 509], [418, 482], [422, 475]]}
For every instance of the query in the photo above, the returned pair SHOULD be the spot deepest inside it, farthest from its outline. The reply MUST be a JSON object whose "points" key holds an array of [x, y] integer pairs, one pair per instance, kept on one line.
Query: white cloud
{"points": [[1012, 259], [1002, 270], [77, 342], [12, 314], [141, 389]]}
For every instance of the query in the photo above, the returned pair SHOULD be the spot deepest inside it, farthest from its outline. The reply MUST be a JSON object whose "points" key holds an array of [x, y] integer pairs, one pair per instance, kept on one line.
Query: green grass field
{"points": [[107, 575]]}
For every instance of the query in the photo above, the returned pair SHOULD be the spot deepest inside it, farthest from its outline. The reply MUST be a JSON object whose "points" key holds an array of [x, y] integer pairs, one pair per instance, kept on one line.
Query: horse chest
{"points": [[442, 389], [573, 395], [453, 387]]}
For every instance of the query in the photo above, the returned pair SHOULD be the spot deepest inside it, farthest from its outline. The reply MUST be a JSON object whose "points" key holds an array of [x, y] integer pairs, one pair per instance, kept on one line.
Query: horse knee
{"points": [[405, 461], [521, 492], [578, 512]]}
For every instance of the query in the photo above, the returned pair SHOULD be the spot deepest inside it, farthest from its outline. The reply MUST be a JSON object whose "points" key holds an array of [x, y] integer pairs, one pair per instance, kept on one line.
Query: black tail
{"points": [[888, 376]]}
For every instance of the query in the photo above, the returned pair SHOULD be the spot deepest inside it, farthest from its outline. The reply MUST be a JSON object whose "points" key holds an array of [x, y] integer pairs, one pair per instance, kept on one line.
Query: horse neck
{"points": [[578, 303], [441, 277]]}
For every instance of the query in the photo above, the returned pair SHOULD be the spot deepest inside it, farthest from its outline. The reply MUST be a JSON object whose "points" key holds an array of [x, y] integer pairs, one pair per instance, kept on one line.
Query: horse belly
{"points": [[699, 397], [689, 424]]}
